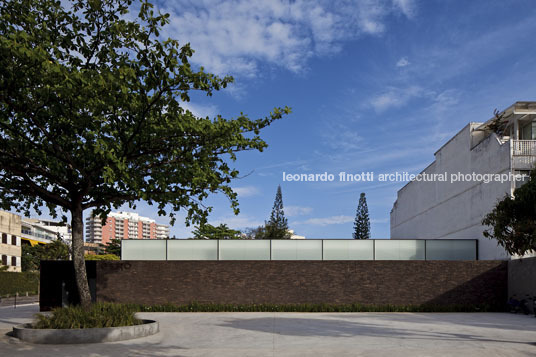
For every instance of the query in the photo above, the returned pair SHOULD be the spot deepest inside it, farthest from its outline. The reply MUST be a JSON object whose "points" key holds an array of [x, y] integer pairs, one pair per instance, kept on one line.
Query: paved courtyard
{"points": [[302, 334]]}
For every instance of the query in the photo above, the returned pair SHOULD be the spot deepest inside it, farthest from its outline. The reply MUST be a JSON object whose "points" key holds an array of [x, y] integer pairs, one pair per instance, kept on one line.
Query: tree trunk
{"points": [[78, 256]]}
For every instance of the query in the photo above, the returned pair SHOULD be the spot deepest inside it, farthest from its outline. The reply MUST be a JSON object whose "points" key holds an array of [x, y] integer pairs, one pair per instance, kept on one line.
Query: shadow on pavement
{"points": [[341, 328]]}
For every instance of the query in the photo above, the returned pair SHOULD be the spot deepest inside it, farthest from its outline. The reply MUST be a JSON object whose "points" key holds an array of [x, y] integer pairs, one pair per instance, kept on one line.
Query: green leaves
{"points": [[90, 112], [98, 315], [362, 221], [513, 220], [207, 231], [277, 225], [32, 255]]}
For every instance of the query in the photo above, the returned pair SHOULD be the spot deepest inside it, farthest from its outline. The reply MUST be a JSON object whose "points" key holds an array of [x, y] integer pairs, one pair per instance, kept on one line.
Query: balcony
{"points": [[523, 154]]}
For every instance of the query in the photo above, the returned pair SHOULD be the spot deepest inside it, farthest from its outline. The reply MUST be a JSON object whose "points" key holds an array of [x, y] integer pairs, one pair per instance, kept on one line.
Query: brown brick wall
{"points": [[292, 282]]}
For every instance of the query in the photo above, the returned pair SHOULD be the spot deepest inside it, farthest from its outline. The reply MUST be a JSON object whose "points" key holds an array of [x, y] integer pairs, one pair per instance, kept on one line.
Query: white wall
{"points": [[439, 210]]}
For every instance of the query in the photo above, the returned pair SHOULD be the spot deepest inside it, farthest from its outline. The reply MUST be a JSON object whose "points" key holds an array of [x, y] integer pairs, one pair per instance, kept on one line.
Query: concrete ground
{"points": [[302, 334]]}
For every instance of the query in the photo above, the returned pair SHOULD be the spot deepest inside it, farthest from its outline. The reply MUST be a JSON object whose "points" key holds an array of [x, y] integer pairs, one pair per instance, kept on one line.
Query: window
{"points": [[528, 132], [4, 259], [14, 240], [4, 238], [13, 261]]}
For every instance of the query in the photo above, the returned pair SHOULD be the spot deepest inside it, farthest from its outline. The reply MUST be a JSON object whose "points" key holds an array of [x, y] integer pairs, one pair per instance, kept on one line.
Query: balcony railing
{"points": [[524, 147], [523, 154]]}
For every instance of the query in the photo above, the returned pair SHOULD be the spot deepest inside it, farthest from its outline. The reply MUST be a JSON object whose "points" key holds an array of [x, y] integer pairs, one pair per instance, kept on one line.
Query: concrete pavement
{"points": [[303, 334], [21, 300]]}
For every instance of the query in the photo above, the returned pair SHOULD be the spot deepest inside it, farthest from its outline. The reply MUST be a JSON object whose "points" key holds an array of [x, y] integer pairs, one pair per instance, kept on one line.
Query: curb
{"points": [[88, 335]]}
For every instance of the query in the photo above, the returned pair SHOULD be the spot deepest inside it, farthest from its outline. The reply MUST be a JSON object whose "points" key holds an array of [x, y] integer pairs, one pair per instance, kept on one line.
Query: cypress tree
{"points": [[362, 221], [277, 226]]}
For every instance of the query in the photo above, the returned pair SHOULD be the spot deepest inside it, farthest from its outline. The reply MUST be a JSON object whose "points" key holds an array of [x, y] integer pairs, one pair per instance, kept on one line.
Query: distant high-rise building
{"points": [[124, 225]]}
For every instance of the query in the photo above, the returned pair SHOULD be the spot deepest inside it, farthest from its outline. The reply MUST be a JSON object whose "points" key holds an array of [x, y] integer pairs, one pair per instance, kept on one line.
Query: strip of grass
{"points": [[98, 315], [199, 307]]}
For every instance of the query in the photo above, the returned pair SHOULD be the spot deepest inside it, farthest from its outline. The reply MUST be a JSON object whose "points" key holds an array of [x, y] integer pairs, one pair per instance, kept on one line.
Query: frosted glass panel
{"points": [[329, 249], [394, 249], [143, 249], [348, 249], [192, 249], [244, 250], [296, 250], [439, 249]]}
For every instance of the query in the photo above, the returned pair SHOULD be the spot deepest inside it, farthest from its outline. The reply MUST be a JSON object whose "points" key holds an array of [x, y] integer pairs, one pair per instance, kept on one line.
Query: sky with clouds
{"points": [[374, 85]]}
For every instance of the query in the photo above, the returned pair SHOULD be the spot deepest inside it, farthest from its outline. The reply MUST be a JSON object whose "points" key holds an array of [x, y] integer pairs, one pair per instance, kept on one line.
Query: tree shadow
{"points": [[475, 319], [306, 327]]}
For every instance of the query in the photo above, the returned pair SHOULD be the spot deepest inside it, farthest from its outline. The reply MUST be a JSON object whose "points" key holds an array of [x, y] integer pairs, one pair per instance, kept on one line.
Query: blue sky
{"points": [[373, 85]]}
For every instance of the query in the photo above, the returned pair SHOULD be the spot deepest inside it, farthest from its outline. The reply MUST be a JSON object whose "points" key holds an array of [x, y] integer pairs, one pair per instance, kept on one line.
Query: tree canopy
{"points": [[255, 233], [362, 221], [207, 231], [32, 255], [113, 247], [513, 220], [92, 116], [277, 225]]}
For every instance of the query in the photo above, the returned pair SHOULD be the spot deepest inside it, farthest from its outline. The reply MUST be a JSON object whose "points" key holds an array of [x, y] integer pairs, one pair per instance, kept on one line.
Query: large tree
{"points": [[92, 116], [362, 221], [277, 225], [513, 220]]}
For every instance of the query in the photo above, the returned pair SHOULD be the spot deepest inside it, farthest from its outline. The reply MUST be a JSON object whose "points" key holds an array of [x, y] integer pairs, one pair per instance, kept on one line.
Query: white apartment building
{"points": [[446, 209], [124, 225], [37, 231]]}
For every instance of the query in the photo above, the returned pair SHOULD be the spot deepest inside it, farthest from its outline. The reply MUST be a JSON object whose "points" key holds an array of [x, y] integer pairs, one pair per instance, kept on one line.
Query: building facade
{"points": [[124, 225], [10, 243], [43, 231], [474, 165]]}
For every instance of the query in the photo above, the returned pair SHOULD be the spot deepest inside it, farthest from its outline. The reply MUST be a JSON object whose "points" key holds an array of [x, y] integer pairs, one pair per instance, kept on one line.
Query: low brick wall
{"points": [[294, 282]]}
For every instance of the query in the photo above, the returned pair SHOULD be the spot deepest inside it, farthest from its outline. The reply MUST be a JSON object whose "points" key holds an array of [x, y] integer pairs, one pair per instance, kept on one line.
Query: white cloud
{"points": [[341, 137], [403, 62], [246, 191], [237, 36], [201, 110], [395, 97], [292, 211], [407, 7], [326, 221]]}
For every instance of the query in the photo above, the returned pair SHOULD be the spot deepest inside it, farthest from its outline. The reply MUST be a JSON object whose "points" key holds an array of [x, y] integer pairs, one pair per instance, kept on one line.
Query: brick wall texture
{"points": [[294, 282]]}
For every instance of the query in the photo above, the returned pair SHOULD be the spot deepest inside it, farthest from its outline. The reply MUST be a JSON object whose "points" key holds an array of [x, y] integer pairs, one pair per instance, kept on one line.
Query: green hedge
{"points": [[101, 257], [198, 307], [98, 315], [12, 283]]}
